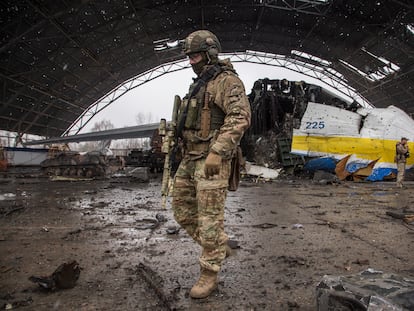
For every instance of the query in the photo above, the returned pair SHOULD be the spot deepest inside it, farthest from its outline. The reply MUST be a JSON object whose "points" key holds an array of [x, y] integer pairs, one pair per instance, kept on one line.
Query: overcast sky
{"points": [[156, 97]]}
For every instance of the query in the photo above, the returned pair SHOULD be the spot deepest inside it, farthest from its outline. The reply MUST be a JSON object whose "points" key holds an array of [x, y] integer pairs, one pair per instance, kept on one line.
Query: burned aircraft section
{"points": [[304, 127], [278, 105], [277, 108]]}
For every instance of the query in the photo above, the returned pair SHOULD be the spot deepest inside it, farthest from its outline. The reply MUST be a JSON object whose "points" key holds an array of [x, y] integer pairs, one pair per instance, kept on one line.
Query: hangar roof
{"points": [[60, 57]]}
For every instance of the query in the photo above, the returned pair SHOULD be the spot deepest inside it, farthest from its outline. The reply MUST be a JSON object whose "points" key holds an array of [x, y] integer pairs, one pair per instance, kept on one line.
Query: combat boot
{"points": [[205, 285]]}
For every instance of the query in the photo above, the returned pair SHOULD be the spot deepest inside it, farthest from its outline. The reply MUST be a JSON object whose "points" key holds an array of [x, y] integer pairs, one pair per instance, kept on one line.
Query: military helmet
{"points": [[202, 41]]}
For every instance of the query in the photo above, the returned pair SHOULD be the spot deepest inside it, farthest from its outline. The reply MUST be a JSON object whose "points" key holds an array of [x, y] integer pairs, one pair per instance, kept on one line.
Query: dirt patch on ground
{"points": [[287, 235]]}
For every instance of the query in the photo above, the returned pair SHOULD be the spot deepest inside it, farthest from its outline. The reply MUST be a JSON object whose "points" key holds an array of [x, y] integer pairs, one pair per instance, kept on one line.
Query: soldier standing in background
{"points": [[212, 120], [402, 153]]}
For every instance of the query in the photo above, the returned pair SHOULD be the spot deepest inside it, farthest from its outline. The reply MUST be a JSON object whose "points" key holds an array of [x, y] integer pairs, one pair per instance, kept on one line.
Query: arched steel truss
{"points": [[325, 74]]}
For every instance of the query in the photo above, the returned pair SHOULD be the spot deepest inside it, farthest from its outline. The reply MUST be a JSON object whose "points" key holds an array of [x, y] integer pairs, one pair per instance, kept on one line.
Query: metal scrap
{"points": [[368, 290], [407, 216], [16, 209], [64, 277], [17, 304], [265, 225], [147, 223]]}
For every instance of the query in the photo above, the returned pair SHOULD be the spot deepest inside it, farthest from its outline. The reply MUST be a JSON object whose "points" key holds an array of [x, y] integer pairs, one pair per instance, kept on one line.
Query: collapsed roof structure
{"points": [[59, 59]]}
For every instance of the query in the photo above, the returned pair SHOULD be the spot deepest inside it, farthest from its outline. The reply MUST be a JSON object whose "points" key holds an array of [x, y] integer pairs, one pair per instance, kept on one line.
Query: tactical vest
{"points": [[199, 105], [195, 108]]}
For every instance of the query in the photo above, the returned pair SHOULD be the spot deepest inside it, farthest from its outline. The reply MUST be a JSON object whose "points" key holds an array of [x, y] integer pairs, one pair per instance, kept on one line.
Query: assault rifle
{"points": [[172, 131], [168, 132]]}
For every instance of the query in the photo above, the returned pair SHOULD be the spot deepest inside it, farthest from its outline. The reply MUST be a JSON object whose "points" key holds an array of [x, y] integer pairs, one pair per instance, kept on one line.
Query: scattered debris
{"points": [[264, 226], [90, 192], [293, 261], [112, 239], [233, 244], [173, 230], [14, 209], [70, 233], [324, 222], [346, 266], [293, 304], [160, 217], [361, 262], [147, 223], [324, 178], [262, 172], [19, 303], [99, 204], [4, 269], [139, 174], [62, 178], [311, 206], [65, 276], [407, 216], [151, 223], [369, 290]]}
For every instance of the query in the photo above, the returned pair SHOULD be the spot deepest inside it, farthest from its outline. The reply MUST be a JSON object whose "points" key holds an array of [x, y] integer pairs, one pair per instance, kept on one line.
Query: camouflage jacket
{"points": [[401, 151], [227, 92]]}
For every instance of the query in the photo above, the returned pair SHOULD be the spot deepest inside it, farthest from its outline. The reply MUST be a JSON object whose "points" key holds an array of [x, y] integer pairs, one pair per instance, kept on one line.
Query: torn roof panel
{"points": [[374, 68], [86, 49]]}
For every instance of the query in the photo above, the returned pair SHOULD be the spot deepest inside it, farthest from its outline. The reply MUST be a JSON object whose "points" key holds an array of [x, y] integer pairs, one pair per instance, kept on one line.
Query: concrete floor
{"points": [[290, 233]]}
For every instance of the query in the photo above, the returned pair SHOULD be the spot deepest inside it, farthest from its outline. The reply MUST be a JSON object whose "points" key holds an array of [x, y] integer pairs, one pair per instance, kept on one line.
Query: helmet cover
{"points": [[202, 41]]}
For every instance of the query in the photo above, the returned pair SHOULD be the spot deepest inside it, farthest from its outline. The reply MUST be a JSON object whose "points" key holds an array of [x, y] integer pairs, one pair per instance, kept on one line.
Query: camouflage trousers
{"points": [[400, 173], [198, 206]]}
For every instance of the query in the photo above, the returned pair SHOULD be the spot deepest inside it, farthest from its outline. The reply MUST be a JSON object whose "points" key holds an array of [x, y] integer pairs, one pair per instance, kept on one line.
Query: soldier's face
{"points": [[195, 58]]}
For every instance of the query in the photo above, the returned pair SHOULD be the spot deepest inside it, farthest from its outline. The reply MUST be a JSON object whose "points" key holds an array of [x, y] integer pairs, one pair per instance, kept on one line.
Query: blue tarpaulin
{"points": [[328, 164], [321, 164], [354, 166], [379, 173]]}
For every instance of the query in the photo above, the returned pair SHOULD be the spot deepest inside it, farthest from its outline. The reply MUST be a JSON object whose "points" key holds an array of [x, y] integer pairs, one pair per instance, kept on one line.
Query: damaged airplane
{"points": [[354, 141], [329, 133], [360, 143]]}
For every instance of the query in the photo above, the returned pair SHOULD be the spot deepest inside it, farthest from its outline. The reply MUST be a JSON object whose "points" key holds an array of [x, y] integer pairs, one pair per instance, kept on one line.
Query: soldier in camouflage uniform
{"points": [[215, 114], [402, 154]]}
